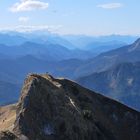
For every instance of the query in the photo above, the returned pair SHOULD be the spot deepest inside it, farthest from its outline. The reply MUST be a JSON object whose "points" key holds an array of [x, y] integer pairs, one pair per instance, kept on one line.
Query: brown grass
{"points": [[7, 117]]}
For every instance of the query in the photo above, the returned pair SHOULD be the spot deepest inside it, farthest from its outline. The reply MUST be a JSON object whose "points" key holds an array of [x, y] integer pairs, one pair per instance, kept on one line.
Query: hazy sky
{"points": [[90, 17]]}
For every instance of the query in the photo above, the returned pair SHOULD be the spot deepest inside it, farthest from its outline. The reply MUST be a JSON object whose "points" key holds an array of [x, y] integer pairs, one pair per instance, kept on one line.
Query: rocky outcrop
{"points": [[7, 135], [59, 109]]}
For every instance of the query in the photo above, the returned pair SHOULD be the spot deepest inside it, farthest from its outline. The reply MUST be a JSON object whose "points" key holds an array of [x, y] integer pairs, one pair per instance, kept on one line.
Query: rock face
{"points": [[59, 109], [6, 135], [121, 82]]}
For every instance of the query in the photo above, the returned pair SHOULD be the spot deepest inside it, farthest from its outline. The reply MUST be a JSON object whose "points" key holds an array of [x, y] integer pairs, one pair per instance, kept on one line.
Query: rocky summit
{"points": [[59, 109]]}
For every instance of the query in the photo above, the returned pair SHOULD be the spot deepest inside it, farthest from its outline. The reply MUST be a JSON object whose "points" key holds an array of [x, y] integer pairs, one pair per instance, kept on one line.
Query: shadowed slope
{"points": [[59, 109]]}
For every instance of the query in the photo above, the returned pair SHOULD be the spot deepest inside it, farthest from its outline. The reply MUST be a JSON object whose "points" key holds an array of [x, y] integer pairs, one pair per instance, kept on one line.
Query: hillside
{"points": [[9, 92], [43, 59], [104, 61], [121, 82], [44, 51], [59, 109]]}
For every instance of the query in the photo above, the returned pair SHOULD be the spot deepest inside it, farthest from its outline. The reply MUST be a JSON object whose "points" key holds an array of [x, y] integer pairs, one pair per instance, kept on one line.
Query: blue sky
{"points": [[89, 17]]}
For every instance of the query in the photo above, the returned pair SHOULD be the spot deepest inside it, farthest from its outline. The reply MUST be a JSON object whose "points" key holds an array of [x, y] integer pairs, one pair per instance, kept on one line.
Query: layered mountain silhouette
{"points": [[100, 47], [46, 54], [121, 82], [59, 109], [90, 42], [104, 61]]}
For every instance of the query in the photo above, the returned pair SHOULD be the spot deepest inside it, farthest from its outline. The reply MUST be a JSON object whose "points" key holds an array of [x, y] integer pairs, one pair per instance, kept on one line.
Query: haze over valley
{"points": [[69, 70], [27, 53]]}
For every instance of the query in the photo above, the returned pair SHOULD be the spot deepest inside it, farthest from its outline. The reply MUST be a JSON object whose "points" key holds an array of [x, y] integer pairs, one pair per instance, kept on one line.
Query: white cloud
{"points": [[23, 19], [110, 5], [28, 5]]}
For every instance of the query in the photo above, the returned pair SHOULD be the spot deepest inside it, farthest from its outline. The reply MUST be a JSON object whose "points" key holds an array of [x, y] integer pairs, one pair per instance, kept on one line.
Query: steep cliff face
{"points": [[59, 109]]}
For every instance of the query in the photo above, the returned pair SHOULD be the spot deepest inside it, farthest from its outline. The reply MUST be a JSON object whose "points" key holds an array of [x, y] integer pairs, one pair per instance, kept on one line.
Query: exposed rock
{"points": [[59, 109], [7, 135]]}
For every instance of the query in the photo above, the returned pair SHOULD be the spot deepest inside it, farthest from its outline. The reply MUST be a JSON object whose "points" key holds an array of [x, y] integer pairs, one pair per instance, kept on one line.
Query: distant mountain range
{"points": [[69, 41], [104, 61], [9, 92], [115, 74], [59, 56], [88, 42], [100, 47], [14, 71], [48, 52], [16, 39]]}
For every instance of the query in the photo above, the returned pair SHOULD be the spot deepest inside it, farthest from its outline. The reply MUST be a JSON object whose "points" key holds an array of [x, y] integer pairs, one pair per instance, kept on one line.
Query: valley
{"points": [[83, 66]]}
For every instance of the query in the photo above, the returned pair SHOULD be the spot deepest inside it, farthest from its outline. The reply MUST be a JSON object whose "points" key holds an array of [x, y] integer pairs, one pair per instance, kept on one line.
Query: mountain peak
{"points": [[59, 109], [135, 45], [137, 42]]}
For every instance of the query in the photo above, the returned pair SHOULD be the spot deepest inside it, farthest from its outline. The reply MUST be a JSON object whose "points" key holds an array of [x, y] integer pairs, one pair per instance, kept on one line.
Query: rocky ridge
{"points": [[59, 109]]}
